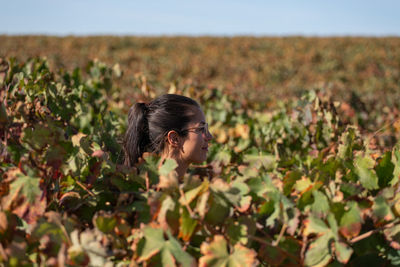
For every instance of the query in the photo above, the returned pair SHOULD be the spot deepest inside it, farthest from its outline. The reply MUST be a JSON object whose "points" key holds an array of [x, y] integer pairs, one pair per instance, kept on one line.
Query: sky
{"points": [[198, 18]]}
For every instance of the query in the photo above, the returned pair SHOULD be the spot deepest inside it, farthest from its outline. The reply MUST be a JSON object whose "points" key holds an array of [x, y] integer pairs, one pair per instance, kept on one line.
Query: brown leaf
{"points": [[30, 213], [245, 204], [351, 230]]}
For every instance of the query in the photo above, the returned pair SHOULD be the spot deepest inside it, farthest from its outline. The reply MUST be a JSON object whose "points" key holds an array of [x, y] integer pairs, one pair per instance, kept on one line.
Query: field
{"points": [[304, 168]]}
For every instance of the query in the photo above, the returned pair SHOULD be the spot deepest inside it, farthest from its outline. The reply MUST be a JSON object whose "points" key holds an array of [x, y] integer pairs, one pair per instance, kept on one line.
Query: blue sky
{"points": [[206, 17]]}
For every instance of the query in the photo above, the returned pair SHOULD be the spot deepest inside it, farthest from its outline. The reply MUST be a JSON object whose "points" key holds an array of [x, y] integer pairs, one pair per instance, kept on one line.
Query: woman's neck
{"points": [[181, 169]]}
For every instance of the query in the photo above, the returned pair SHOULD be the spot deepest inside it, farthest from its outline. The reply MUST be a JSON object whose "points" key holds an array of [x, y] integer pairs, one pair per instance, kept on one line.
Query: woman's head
{"points": [[173, 125]]}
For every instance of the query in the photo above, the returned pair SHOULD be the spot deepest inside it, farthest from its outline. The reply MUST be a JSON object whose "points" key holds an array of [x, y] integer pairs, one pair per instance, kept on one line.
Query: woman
{"points": [[171, 125]]}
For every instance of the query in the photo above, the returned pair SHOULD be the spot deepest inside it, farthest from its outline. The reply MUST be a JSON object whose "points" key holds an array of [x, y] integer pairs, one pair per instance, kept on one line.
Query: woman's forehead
{"points": [[198, 117]]}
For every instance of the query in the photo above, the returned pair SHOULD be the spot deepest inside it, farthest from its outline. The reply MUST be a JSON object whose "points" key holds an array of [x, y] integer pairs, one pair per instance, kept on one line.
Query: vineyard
{"points": [[312, 179]]}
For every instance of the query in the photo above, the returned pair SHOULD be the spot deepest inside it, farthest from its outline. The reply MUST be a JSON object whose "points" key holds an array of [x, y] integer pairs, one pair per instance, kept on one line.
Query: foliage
{"points": [[288, 186], [362, 73]]}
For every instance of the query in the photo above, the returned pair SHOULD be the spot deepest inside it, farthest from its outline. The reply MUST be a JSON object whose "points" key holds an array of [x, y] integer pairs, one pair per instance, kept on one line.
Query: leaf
{"points": [[364, 170], [167, 210], [218, 210], [26, 186], [216, 254], [170, 250], [347, 142], [259, 187], [154, 242], [194, 193], [180, 255], [245, 203], [350, 223], [289, 181], [318, 253], [258, 161], [396, 162], [51, 231], [294, 220], [320, 207], [37, 137], [76, 139], [187, 225], [223, 156], [236, 231], [168, 166], [201, 205], [343, 252], [381, 210], [105, 222], [314, 225], [303, 184], [392, 234], [3, 113], [385, 169]]}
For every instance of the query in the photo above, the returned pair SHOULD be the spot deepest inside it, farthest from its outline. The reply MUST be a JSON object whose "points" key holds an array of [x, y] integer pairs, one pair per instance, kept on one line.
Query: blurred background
{"points": [[261, 51]]}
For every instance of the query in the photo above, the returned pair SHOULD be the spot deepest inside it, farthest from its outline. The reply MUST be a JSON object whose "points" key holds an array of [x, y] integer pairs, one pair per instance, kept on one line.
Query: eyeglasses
{"points": [[203, 129]]}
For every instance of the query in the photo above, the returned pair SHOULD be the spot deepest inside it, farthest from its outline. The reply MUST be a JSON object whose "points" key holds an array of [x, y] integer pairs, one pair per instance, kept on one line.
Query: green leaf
{"points": [[53, 231], [258, 161], [364, 170], [314, 225], [216, 254], [318, 253], [381, 210], [343, 252], [320, 207], [392, 234], [169, 250], [289, 181], [194, 193], [347, 142], [396, 171], [38, 137], [236, 231], [187, 225], [154, 242], [105, 222], [180, 255], [223, 156], [3, 113], [168, 216], [168, 166], [350, 223], [26, 186], [219, 209], [385, 169]]}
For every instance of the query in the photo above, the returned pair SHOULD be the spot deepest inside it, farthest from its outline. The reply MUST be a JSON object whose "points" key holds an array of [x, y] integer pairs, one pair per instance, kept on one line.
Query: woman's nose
{"points": [[209, 136]]}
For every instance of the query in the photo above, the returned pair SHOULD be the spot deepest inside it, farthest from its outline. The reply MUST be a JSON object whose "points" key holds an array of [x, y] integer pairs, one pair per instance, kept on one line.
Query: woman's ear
{"points": [[173, 138]]}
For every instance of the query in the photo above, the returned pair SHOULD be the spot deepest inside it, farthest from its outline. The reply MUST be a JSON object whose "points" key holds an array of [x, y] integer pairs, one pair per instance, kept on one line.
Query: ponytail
{"points": [[136, 138]]}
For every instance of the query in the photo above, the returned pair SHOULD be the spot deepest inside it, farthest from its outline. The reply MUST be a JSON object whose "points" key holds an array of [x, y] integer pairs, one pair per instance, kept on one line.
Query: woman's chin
{"points": [[200, 160]]}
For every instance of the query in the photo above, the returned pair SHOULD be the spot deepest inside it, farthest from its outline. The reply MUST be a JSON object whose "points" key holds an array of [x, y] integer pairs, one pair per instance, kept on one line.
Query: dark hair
{"points": [[148, 124]]}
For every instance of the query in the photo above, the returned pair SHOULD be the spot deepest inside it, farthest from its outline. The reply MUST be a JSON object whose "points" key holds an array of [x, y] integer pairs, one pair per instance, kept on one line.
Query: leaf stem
{"points": [[283, 229], [369, 233], [85, 188]]}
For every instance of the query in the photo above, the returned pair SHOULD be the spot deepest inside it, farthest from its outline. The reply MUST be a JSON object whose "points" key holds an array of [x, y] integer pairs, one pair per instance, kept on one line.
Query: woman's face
{"points": [[195, 144]]}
